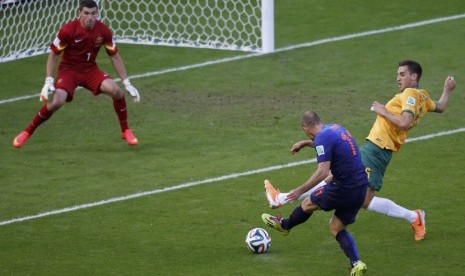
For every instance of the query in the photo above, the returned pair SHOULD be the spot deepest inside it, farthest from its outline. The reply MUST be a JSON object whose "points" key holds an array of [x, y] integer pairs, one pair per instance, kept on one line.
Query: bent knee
{"points": [[336, 226], [115, 92], [308, 206], [110, 88], [59, 98]]}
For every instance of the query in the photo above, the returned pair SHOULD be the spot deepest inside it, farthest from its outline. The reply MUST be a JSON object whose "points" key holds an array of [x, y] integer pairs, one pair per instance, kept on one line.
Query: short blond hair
{"points": [[310, 119]]}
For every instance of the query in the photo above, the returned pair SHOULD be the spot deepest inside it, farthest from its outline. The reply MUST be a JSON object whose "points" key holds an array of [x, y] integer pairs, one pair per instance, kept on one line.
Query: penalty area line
{"points": [[196, 183]]}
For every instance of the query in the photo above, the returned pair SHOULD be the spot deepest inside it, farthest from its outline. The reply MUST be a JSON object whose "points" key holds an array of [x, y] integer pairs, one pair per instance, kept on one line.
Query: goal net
{"points": [[28, 26]]}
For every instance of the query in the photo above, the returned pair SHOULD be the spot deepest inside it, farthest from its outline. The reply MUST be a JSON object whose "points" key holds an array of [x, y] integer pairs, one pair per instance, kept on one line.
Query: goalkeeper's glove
{"points": [[132, 90], [48, 86]]}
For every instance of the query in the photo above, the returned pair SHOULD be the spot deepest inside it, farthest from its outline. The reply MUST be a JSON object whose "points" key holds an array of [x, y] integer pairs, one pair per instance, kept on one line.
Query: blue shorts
{"points": [[345, 202]]}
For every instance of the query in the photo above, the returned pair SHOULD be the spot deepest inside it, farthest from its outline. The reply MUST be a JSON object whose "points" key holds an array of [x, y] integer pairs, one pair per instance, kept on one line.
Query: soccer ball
{"points": [[258, 240]]}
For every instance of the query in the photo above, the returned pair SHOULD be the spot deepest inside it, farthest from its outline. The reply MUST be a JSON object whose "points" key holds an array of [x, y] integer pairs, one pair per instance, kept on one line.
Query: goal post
{"points": [[28, 26], [267, 27]]}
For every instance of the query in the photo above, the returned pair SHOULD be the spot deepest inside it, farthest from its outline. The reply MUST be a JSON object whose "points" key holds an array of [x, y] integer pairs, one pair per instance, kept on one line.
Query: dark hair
{"points": [[413, 67], [87, 4], [310, 119]]}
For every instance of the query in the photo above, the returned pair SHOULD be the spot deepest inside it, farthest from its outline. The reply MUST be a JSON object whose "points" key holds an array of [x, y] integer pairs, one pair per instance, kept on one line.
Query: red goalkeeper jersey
{"points": [[80, 46]]}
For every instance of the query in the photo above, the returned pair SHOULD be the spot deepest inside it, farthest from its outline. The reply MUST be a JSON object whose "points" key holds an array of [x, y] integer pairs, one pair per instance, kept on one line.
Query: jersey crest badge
{"points": [[99, 40], [411, 100], [320, 150]]}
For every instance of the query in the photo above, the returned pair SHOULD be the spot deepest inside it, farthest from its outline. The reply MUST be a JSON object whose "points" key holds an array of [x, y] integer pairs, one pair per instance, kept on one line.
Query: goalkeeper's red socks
{"points": [[43, 115], [121, 110]]}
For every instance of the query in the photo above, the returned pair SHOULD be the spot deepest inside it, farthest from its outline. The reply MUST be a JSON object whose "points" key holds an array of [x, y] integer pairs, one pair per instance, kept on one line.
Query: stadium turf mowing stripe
{"points": [[284, 49], [196, 183]]}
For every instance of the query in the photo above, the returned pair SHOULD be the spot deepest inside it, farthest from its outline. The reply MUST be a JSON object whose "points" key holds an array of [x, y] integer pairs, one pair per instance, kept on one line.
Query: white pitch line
{"points": [[284, 49], [196, 183], [429, 136], [236, 175], [374, 32]]}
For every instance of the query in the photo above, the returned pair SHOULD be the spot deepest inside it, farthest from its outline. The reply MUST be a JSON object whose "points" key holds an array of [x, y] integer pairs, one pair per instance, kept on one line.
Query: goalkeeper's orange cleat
{"points": [[272, 195], [419, 225], [19, 140], [129, 137]]}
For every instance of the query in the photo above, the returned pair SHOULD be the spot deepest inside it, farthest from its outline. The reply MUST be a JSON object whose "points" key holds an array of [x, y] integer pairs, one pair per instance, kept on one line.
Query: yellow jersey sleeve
{"points": [[413, 100]]}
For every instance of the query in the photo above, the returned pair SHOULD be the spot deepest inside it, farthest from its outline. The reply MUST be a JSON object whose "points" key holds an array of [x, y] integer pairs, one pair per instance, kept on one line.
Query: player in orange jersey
{"points": [[78, 42]]}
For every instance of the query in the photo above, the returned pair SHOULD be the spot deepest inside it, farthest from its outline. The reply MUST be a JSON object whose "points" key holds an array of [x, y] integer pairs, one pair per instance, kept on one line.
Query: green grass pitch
{"points": [[235, 117]]}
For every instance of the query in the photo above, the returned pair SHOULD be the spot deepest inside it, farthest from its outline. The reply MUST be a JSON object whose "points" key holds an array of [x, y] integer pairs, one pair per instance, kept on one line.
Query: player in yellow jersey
{"points": [[388, 134]]}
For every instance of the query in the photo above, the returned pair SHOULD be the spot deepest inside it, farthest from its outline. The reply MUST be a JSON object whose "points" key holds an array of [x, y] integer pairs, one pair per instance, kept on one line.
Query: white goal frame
{"points": [[28, 26]]}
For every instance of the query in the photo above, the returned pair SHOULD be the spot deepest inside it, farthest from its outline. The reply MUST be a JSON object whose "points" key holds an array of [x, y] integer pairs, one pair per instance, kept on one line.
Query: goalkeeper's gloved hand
{"points": [[132, 90], [48, 86]]}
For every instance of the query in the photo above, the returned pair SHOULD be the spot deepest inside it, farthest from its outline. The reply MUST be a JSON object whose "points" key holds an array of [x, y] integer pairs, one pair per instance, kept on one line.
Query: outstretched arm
{"points": [[449, 85], [319, 175], [301, 144]]}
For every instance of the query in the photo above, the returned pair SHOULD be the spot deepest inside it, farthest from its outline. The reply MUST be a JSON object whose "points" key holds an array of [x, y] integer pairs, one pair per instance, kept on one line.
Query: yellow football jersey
{"points": [[413, 100]]}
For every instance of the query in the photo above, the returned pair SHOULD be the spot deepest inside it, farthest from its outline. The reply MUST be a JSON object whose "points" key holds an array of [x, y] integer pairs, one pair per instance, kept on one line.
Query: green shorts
{"points": [[375, 160]]}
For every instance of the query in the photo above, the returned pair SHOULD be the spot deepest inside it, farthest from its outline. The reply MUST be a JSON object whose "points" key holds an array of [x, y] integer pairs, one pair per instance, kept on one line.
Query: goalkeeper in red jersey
{"points": [[79, 42]]}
